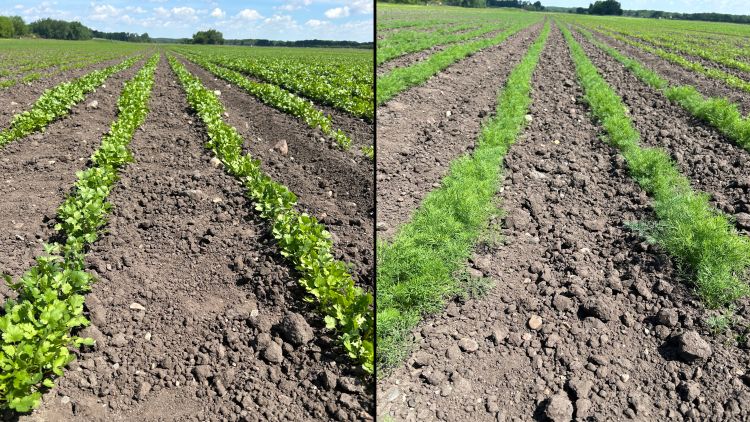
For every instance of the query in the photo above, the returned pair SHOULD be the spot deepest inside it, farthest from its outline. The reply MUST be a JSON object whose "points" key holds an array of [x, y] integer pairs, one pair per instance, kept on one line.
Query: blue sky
{"points": [[278, 20], [735, 7]]}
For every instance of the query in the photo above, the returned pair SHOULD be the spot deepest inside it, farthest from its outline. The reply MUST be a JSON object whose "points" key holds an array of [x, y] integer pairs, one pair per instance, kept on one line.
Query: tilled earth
{"points": [[38, 172], [21, 96], [678, 75], [711, 161], [412, 58], [330, 183], [586, 321], [421, 130], [196, 314]]}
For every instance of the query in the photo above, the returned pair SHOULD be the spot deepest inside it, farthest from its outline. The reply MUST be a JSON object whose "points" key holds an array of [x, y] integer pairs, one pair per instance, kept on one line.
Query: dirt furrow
{"points": [[711, 161], [574, 314], [331, 184], [696, 59], [191, 297], [38, 172], [412, 58], [677, 75], [421, 130], [21, 97]]}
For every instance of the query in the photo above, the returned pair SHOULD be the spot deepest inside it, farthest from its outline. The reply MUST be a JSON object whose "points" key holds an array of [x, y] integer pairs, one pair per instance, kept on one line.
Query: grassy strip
{"points": [[721, 75], [402, 78], [697, 235], [718, 112], [36, 327], [301, 238], [416, 270], [278, 98], [57, 102], [412, 41]]}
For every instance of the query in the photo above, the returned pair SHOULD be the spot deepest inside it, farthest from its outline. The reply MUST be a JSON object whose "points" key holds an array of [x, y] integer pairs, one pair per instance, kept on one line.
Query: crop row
{"points": [[58, 69], [713, 51], [416, 270], [411, 41], [36, 326], [278, 98], [343, 84], [721, 75], [718, 112], [400, 79], [58, 101], [25, 55], [698, 236], [301, 238]]}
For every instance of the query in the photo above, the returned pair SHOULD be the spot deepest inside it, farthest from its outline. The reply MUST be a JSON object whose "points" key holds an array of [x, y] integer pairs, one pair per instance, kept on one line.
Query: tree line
{"points": [[15, 27]]}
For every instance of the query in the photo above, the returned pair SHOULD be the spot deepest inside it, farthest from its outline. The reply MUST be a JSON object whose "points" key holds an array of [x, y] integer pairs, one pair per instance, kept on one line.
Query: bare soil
{"points": [[39, 171], [711, 161], [677, 75], [612, 308], [416, 57], [422, 129], [190, 301], [311, 169], [22, 96]]}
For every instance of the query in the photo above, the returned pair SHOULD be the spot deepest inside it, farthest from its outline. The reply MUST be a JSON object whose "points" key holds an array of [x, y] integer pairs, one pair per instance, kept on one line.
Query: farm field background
{"points": [[563, 211], [204, 214]]}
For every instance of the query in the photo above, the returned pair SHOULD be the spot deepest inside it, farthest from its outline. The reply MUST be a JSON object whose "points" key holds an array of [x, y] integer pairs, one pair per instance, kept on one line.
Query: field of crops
{"points": [[187, 232], [563, 212]]}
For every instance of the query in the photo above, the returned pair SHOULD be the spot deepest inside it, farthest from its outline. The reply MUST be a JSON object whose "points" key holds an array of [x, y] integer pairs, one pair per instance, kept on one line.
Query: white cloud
{"points": [[292, 5], [250, 14], [363, 7], [218, 13], [338, 12], [162, 12], [103, 12], [183, 11], [315, 23], [285, 20]]}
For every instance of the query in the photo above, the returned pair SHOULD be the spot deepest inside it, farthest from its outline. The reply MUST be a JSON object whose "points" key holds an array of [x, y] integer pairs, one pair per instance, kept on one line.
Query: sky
{"points": [[734, 7], [265, 19]]}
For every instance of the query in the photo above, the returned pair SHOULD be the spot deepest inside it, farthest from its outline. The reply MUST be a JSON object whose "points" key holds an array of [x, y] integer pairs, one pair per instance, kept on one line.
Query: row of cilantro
{"points": [[278, 98], [75, 64], [711, 72], [346, 85], [36, 327], [406, 42], [416, 270], [301, 238], [57, 102], [402, 78], [718, 112], [697, 235]]}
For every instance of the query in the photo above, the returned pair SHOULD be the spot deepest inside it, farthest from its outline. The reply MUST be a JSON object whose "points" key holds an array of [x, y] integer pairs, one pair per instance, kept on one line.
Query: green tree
{"points": [[6, 27], [606, 7], [19, 26], [211, 36]]}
